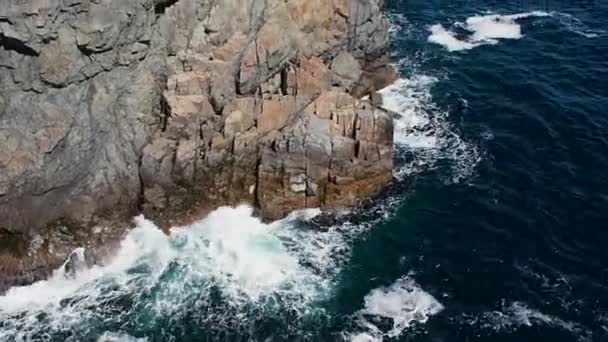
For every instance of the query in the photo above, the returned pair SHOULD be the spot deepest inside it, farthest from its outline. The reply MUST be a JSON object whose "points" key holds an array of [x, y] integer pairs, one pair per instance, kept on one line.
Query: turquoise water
{"points": [[495, 228]]}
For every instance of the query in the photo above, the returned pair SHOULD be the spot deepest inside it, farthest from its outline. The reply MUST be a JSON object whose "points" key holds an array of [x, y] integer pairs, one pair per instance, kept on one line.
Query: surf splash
{"points": [[229, 272], [423, 133], [512, 316], [490, 29]]}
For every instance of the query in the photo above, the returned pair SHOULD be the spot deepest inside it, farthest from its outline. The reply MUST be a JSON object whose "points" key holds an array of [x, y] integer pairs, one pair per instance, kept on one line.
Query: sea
{"points": [[495, 227]]}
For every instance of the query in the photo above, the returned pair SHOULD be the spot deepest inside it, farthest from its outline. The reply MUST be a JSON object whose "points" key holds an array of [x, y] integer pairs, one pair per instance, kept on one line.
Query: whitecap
{"points": [[110, 336], [232, 266], [482, 29], [145, 241], [517, 314], [411, 98], [403, 303], [446, 38]]}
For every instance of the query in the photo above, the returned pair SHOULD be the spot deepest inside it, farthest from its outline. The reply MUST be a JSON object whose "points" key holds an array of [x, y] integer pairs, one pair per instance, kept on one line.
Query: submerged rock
{"points": [[173, 108]]}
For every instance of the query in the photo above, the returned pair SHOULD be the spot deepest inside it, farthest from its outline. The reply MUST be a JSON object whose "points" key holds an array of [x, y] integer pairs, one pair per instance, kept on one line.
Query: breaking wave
{"points": [[228, 274], [516, 314], [402, 304], [119, 337], [423, 132], [480, 30], [230, 267], [489, 29]]}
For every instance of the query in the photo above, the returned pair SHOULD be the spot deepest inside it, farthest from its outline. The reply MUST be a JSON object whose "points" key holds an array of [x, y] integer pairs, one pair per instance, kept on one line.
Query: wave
{"points": [[229, 266], [483, 30], [423, 133], [489, 29], [516, 315], [402, 303], [109, 336], [576, 26], [229, 272], [400, 27]]}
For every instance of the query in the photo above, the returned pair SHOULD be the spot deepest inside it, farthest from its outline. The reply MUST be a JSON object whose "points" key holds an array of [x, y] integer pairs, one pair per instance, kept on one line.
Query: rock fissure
{"points": [[12, 44]]}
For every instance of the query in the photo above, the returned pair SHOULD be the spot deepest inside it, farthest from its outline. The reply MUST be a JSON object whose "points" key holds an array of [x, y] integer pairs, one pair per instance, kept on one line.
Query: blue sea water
{"points": [[495, 228]]}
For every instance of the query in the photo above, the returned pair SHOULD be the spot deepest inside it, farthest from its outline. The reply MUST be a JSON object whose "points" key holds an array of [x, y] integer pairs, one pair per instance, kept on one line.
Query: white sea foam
{"points": [[109, 336], [241, 252], [423, 131], [229, 265], [363, 337], [411, 98], [403, 303], [423, 134], [516, 314], [483, 30], [576, 26], [233, 267], [400, 26], [144, 243]]}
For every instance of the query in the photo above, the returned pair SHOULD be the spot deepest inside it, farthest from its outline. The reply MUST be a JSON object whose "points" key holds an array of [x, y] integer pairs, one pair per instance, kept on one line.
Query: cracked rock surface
{"points": [[175, 107]]}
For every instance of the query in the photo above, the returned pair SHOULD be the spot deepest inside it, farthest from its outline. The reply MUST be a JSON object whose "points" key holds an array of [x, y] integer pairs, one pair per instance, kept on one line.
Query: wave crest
{"points": [[483, 30], [402, 304]]}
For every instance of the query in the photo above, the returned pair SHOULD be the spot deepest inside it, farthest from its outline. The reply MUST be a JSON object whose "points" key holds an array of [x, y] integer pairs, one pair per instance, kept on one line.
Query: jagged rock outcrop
{"points": [[174, 107]]}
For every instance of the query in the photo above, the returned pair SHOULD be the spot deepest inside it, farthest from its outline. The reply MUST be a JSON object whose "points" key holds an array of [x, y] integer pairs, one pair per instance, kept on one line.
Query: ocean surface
{"points": [[495, 229]]}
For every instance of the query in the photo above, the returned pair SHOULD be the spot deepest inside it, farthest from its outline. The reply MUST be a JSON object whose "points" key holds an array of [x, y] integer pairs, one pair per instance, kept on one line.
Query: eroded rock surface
{"points": [[173, 108]]}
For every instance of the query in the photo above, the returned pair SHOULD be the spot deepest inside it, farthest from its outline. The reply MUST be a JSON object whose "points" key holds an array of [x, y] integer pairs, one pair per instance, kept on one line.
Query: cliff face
{"points": [[174, 107]]}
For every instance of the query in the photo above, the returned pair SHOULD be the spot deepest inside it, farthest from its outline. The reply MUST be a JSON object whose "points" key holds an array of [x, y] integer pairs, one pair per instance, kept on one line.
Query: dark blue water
{"points": [[518, 251], [495, 229]]}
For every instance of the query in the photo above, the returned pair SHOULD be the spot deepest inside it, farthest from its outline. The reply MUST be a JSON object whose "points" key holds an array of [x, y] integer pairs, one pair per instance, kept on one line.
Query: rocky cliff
{"points": [[174, 107]]}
